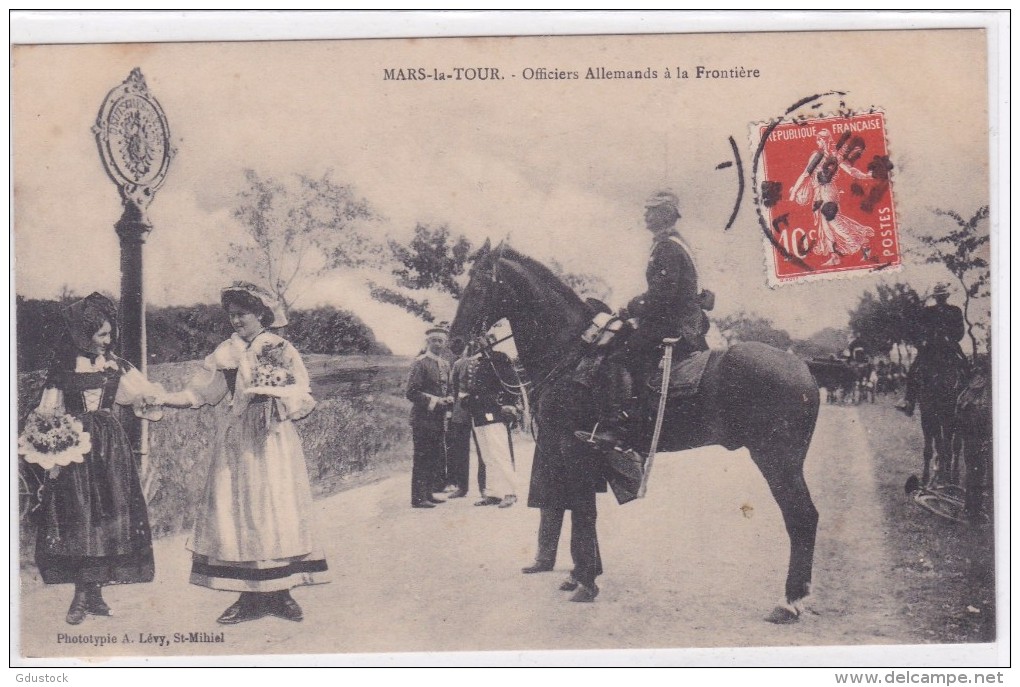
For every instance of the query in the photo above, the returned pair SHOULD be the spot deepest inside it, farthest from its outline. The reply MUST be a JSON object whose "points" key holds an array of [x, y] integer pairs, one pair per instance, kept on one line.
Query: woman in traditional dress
{"points": [[816, 186], [94, 525], [253, 527]]}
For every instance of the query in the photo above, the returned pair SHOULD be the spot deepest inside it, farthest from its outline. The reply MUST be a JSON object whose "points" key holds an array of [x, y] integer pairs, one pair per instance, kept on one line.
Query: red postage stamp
{"points": [[827, 196]]}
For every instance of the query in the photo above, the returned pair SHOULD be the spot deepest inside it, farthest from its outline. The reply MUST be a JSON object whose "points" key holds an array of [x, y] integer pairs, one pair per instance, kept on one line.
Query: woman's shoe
{"points": [[246, 608], [94, 603], [76, 613], [508, 500], [284, 606]]}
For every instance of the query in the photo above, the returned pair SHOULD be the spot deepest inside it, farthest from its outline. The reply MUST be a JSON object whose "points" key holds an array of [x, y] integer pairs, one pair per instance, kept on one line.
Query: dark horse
{"points": [[751, 395]]}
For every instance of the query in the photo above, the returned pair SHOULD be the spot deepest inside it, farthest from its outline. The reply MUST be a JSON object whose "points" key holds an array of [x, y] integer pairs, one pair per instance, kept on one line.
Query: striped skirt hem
{"points": [[258, 576]]}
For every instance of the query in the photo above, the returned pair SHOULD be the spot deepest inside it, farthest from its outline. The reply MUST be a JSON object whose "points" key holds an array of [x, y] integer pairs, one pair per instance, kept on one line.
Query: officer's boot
{"points": [[616, 425]]}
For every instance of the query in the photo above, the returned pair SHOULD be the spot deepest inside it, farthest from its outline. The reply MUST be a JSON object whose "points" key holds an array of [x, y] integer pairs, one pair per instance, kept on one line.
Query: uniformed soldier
{"points": [[458, 431], [428, 390], [492, 409], [670, 308], [942, 328]]}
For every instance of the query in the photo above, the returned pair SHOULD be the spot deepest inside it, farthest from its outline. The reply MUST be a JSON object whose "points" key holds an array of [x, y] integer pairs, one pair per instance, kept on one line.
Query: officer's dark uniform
{"points": [[670, 308], [486, 392], [942, 327], [427, 384], [458, 434], [479, 398]]}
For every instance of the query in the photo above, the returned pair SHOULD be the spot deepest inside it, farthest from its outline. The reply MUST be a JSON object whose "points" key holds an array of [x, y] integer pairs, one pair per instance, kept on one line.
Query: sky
{"points": [[560, 168]]}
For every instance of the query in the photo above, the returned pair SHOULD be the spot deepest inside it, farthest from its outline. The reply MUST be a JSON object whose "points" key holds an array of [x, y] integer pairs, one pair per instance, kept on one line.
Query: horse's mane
{"points": [[547, 275]]}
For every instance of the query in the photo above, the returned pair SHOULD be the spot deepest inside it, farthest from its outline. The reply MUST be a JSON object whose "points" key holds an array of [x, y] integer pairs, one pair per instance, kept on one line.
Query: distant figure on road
{"points": [[428, 389], [942, 327]]}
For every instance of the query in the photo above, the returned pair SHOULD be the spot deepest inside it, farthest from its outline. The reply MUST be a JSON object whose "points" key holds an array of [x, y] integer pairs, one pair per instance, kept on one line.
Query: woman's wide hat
{"points": [[263, 296]]}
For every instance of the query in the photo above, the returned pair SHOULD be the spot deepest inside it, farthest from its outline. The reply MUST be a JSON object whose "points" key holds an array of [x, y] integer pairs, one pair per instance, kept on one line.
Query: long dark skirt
{"points": [[94, 525]]}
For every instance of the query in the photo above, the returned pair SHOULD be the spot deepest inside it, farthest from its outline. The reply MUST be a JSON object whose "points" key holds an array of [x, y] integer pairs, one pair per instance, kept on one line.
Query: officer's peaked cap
{"points": [[663, 197]]}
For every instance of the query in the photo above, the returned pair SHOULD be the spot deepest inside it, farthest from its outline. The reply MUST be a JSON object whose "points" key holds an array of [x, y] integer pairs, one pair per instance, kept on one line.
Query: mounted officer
{"points": [[942, 328], [670, 308]]}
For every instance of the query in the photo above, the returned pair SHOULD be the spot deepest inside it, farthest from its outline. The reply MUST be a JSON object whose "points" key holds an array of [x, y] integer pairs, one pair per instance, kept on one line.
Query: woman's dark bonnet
{"points": [[84, 318], [247, 301]]}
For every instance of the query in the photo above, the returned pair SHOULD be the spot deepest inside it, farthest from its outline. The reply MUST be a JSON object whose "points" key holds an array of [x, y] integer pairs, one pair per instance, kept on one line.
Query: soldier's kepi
{"points": [[671, 308]]}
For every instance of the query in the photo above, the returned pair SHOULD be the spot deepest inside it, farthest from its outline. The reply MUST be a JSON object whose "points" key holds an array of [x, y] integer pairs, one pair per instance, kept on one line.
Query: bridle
{"points": [[567, 361]]}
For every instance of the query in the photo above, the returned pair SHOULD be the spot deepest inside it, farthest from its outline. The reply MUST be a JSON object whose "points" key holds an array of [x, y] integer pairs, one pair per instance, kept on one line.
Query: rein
{"points": [[568, 360]]}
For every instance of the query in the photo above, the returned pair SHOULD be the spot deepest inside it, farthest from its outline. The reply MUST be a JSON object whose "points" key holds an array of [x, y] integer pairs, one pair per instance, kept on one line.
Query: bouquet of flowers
{"points": [[272, 373], [53, 440]]}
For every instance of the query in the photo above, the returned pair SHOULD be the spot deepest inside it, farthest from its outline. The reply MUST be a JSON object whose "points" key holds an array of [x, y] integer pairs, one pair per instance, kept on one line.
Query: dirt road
{"points": [[696, 564]]}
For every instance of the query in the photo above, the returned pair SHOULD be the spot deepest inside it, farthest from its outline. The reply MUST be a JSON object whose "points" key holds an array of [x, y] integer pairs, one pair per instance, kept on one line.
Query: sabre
{"points": [[667, 364]]}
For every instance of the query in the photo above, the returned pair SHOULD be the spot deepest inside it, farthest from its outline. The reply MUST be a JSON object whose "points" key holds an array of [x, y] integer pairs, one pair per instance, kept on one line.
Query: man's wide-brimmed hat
{"points": [[940, 290], [263, 296], [663, 197], [438, 329]]}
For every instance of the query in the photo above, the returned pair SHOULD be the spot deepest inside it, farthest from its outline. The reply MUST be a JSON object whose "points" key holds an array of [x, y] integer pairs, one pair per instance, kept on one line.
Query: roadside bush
{"points": [[181, 333]]}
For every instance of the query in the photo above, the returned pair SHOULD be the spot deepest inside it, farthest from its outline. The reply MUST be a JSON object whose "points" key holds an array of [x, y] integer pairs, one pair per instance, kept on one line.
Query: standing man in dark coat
{"points": [[942, 327], [566, 475], [458, 431], [428, 390], [670, 308]]}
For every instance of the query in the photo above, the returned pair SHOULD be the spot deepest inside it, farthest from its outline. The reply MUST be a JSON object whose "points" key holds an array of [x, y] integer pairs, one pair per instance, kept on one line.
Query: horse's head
{"points": [[486, 299], [544, 313]]}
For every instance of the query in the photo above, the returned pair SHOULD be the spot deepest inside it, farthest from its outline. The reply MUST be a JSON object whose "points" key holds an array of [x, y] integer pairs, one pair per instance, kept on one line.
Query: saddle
{"points": [[684, 377]]}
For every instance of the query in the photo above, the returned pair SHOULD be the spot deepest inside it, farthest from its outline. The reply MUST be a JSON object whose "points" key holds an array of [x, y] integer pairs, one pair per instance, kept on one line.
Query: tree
{"points": [[752, 327], [963, 252], [887, 317], [822, 344], [298, 229], [586, 285], [432, 260]]}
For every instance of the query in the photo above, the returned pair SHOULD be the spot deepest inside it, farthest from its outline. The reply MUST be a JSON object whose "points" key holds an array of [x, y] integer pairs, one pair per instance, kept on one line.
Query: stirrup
{"points": [[604, 442]]}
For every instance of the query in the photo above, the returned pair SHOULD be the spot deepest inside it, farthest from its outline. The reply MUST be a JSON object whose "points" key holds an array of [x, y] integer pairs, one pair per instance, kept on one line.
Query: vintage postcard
{"points": [[678, 342]]}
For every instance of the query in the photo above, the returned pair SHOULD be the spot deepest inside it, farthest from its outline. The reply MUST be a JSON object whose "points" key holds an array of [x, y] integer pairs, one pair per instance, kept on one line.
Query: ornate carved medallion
{"points": [[134, 140]]}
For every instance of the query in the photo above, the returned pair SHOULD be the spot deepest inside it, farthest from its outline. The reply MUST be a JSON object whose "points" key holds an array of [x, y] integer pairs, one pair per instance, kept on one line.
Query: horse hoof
{"points": [[913, 485], [781, 615]]}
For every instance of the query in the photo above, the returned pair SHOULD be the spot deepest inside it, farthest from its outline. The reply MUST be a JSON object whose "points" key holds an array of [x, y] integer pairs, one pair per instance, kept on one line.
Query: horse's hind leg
{"points": [[928, 451], [784, 473]]}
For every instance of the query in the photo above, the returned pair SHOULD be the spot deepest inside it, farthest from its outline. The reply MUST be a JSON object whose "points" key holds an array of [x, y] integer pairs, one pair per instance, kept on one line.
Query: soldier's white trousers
{"points": [[494, 449]]}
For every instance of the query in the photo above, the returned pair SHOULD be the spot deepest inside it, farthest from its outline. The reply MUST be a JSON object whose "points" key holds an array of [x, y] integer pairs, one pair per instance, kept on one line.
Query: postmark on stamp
{"points": [[826, 193]]}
